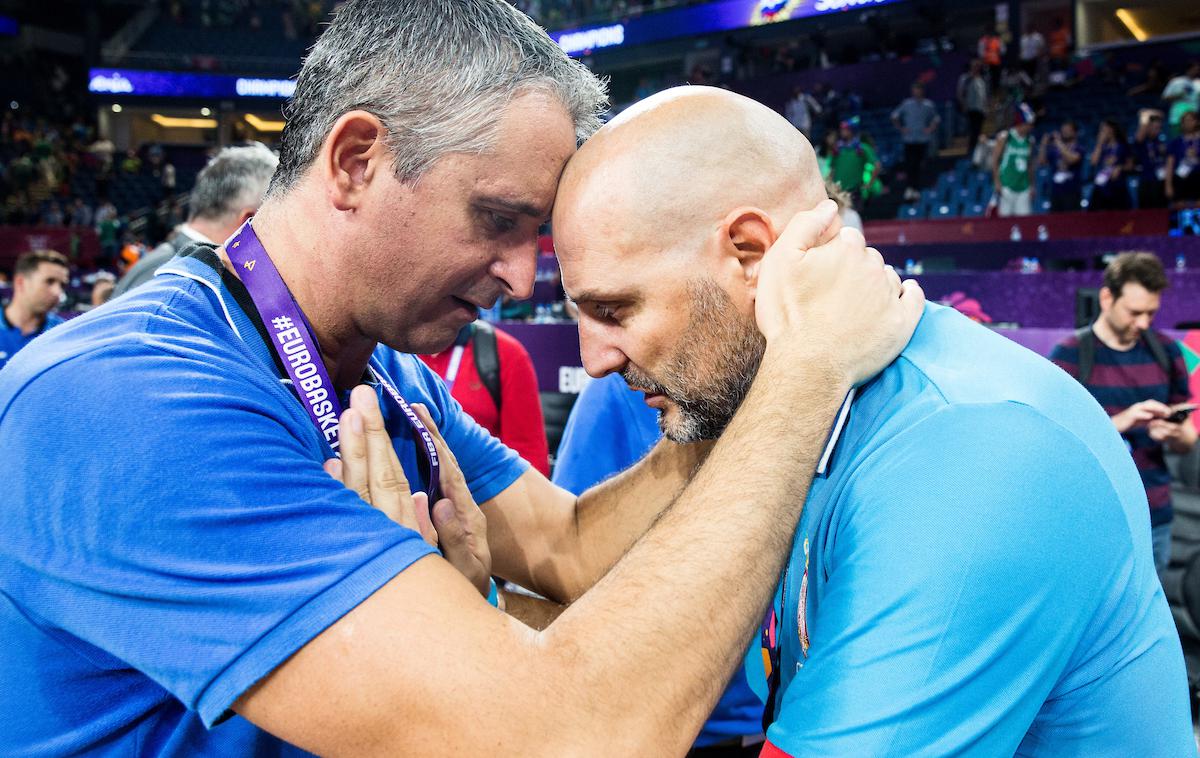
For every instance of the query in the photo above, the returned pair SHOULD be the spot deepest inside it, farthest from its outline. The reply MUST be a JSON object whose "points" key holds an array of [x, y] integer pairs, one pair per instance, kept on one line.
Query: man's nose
{"points": [[600, 355], [516, 269]]}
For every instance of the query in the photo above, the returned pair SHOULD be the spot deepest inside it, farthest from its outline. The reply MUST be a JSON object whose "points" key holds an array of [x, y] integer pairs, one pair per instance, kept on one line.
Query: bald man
{"points": [[972, 570]]}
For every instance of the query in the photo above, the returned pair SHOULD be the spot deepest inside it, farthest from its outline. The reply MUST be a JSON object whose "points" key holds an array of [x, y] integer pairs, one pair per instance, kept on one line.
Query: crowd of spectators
{"points": [[565, 14], [298, 19]]}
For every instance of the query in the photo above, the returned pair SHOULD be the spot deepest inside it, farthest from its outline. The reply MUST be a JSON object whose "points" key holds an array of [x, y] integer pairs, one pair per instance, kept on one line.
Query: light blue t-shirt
{"points": [[154, 569], [610, 429], [973, 575]]}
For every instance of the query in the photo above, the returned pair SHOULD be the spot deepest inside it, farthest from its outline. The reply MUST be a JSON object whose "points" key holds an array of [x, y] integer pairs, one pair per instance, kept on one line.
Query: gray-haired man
{"points": [[230, 572], [228, 191]]}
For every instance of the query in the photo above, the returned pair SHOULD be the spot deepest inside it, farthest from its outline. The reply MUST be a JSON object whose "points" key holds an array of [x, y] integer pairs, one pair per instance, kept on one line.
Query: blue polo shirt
{"points": [[12, 339], [973, 573], [155, 568], [610, 429]]}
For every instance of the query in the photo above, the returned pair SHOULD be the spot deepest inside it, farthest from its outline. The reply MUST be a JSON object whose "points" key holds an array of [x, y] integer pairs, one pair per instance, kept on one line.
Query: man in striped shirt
{"points": [[1137, 375]]}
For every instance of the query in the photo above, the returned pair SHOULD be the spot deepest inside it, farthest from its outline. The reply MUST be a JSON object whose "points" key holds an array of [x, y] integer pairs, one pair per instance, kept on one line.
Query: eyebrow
{"points": [[516, 206], [596, 296]]}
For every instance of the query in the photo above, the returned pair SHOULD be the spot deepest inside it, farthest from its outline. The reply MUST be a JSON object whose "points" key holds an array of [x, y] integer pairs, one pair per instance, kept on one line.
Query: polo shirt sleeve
{"points": [[950, 602], [185, 529]]}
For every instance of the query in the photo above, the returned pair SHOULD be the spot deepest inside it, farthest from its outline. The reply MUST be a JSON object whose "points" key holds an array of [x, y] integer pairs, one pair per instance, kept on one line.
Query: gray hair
{"points": [[437, 73], [236, 178]]}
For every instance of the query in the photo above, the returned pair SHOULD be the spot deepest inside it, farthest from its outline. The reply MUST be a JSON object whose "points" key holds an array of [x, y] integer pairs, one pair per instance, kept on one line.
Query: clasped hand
{"points": [[369, 466]]}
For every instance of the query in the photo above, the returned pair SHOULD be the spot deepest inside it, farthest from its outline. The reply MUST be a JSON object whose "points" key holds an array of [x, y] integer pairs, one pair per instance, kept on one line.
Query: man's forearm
{"points": [[614, 514], [558, 545], [534, 612], [747, 497]]}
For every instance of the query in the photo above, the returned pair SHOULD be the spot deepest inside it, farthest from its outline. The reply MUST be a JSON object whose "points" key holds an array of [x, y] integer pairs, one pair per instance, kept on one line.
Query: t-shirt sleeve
{"points": [[488, 465], [950, 600], [604, 435], [186, 529]]}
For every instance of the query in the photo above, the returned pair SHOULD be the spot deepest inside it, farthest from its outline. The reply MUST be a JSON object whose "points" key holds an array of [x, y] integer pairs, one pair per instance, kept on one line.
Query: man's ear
{"points": [[748, 233], [1106, 298], [352, 155]]}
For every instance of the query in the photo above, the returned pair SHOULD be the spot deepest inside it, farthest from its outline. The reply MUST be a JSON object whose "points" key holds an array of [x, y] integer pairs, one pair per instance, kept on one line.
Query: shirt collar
{"points": [[190, 232], [835, 434]]}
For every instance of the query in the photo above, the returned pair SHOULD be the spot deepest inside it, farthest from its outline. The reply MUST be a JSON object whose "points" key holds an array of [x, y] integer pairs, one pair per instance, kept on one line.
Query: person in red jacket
{"points": [[518, 421]]}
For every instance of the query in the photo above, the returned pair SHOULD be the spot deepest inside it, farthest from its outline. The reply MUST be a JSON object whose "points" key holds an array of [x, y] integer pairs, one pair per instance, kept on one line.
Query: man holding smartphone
{"points": [[1139, 377]]}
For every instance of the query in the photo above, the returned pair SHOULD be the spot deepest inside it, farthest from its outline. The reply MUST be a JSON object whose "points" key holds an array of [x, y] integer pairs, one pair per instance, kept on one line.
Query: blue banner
{"points": [[700, 19], [124, 81]]}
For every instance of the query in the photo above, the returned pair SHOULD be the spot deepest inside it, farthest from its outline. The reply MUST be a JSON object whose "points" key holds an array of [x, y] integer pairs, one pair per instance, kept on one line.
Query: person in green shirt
{"points": [[1013, 167], [854, 164]]}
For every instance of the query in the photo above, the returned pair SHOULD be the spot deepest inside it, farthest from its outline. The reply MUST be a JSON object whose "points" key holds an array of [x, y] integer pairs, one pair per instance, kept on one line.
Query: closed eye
{"points": [[500, 223]]}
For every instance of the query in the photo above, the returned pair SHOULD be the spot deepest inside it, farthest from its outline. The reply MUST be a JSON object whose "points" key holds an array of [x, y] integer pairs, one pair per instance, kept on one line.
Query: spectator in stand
{"points": [[227, 192], [102, 289], [1183, 94], [81, 213], [108, 228], [991, 51], [1183, 162], [849, 216], [1136, 375], [1059, 44], [1150, 159], [492, 376], [917, 120], [39, 281], [1062, 152], [854, 164], [801, 111], [1013, 167], [973, 99], [873, 174], [825, 154], [53, 215], [132, 163], [1111, 159], [1033, 45]]}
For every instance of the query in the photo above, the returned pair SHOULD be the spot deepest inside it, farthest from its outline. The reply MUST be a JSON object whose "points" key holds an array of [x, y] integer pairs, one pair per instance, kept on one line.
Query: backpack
{"points": [[1087, 353], [487, 358]]}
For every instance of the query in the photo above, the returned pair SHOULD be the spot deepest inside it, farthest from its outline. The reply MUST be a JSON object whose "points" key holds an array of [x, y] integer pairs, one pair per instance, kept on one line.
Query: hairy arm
{"points": [[425, 667], [550, 541]]}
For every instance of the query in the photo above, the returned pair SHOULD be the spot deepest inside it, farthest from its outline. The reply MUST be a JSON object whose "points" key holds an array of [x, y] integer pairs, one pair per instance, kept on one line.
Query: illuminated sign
{"points": [[123, 81], [700, 19]]}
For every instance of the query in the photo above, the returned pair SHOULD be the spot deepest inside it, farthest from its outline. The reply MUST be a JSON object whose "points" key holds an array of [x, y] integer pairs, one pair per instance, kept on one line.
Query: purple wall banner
{"points": [[1047, 300], [555, 350], [698, 19], [134, 82]]}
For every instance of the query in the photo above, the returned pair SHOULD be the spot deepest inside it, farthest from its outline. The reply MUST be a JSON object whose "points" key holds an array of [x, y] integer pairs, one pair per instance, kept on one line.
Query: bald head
{"points": [[677, 163]]}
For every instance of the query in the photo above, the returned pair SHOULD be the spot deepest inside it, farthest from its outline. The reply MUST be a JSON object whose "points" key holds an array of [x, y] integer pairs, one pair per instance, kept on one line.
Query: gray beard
{"points": [[708, 377]]}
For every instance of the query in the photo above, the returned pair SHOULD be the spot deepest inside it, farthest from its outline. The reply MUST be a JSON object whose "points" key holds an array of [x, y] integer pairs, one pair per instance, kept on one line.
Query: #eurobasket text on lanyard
{"points": [[297, 349]]}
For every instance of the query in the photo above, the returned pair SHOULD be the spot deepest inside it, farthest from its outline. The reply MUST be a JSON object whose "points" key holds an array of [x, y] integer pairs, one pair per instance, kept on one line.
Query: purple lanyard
{"points": [[298, 351]]}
